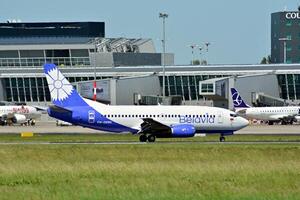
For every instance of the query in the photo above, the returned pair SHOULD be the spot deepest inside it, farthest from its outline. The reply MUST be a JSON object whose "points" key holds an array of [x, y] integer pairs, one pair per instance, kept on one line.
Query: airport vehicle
{"points": [[18, 115], [150, 122], [283, 114]]}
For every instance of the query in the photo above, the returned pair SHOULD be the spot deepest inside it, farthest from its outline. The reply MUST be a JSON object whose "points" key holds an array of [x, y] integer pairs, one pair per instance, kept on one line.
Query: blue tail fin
{"points": [[62, 92], [237, 100]]}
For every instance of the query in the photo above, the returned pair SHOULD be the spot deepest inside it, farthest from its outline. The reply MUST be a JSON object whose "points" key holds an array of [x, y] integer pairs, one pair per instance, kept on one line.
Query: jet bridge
{"points": [[250, 88], [260, 99]]}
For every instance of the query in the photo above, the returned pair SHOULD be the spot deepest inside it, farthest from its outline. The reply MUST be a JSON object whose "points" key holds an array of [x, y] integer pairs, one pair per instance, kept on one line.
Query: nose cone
{"points": [[241, 123]]}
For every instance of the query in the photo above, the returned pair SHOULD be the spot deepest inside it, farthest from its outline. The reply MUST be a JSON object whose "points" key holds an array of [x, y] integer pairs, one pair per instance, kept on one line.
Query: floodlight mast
{"points": [[163, 16], [95, 78]]}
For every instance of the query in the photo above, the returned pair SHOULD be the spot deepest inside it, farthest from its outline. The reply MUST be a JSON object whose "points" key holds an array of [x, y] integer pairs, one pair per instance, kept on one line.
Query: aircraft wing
{"points": [[152, 126], [40, 108], [283, 117], [241, 111]]}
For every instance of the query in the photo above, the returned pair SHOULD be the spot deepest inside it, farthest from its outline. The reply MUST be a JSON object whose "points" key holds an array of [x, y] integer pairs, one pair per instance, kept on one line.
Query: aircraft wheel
{"points": [[222, 139], [32, 122], [143, 138], [151, 138]]}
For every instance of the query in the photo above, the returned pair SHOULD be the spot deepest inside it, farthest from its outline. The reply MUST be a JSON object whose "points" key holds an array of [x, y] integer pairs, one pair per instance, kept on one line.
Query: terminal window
{"points": [[288, 23], [207, 88]]}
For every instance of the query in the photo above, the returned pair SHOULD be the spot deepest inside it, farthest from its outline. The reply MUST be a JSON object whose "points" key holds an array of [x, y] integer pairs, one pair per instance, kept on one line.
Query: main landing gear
{"points": [[149, 138]]}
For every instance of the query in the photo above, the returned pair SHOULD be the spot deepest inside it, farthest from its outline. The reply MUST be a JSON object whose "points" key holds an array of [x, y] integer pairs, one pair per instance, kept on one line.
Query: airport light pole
{"points": [[193, 46], [164, 16], [95, 78], [284, 47]]}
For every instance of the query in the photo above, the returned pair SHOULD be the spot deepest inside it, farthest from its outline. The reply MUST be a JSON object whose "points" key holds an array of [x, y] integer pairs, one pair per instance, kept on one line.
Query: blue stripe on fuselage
{"points": [[79, 115]]}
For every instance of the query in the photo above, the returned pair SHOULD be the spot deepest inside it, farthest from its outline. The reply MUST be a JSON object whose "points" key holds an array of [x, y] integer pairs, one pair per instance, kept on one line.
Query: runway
{"points": [[160, 142], [51, 128]]}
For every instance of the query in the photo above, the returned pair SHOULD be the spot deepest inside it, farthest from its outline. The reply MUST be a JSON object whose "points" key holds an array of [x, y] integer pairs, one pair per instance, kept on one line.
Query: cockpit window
{"points": [[233, 115]]}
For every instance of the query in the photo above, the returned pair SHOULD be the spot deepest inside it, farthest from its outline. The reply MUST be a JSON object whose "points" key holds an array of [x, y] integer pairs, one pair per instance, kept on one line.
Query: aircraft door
{"points": [[91, 116], [220, 117]]}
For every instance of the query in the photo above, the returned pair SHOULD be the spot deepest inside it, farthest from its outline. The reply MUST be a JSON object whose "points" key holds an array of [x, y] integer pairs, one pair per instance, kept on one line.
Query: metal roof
{"points": [[170, 70]]}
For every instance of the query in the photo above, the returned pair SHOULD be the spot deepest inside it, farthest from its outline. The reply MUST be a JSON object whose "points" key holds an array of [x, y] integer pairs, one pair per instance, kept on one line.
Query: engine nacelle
{"points": [[183, 130], [19, 119]]}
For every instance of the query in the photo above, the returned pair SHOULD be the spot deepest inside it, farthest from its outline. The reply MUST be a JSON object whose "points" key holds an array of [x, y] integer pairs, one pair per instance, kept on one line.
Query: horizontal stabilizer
{"points": [[58, 109]]}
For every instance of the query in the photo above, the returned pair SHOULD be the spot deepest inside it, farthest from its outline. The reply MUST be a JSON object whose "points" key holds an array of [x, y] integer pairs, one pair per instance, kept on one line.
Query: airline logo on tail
{"points": [[59, 87], [62, 92], [238, 102]]}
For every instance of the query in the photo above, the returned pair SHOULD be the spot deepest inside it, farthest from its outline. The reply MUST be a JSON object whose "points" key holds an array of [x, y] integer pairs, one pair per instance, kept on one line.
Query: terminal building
{"points": [[74, 46], [285, 37], [128, 70]]}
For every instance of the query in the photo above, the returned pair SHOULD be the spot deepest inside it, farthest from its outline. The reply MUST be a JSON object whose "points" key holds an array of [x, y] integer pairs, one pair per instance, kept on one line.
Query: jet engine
{"points": [[183, 130], [19, 119]]}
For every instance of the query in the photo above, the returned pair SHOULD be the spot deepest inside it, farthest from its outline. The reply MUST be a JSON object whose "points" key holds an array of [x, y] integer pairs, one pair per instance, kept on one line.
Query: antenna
{"points": [[207, 44]]}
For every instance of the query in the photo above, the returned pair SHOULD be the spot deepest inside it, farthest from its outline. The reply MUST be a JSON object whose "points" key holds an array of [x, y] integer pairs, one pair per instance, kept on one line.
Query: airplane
{"points": [[283, 114], [150, 122], [13, 114]]}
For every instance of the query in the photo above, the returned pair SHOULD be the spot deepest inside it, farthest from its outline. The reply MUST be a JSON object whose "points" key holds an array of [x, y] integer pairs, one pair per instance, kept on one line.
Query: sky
{"points": [[238, 30]]}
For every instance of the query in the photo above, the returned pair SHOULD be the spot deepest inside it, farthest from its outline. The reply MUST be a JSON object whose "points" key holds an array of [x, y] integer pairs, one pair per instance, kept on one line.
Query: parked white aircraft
{"points": [[18, 115], [148, 121], [283, 114]]}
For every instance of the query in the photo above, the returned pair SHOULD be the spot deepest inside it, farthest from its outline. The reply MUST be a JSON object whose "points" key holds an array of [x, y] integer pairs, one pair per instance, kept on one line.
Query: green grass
{"points": [[148, 171], [129, 137]]}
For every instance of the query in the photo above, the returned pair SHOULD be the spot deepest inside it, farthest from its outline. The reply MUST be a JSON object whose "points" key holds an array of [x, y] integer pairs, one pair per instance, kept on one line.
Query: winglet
{"points": [[62, 92], [237, 100]]}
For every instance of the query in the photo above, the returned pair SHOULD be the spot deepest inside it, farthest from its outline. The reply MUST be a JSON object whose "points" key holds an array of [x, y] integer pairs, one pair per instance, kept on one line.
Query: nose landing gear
{"points": [[222, 138]]}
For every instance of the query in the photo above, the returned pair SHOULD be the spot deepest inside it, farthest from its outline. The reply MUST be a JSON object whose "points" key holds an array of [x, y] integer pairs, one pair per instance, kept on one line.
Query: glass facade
{"points": [[186, 86], [33, 58], [289, 86], [33, 89], [33, 62]]}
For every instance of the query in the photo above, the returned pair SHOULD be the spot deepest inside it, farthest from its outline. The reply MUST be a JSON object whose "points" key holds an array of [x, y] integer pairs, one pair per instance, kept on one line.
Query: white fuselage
{"points": [[203, 118], [28, 111], [269, 113]]}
